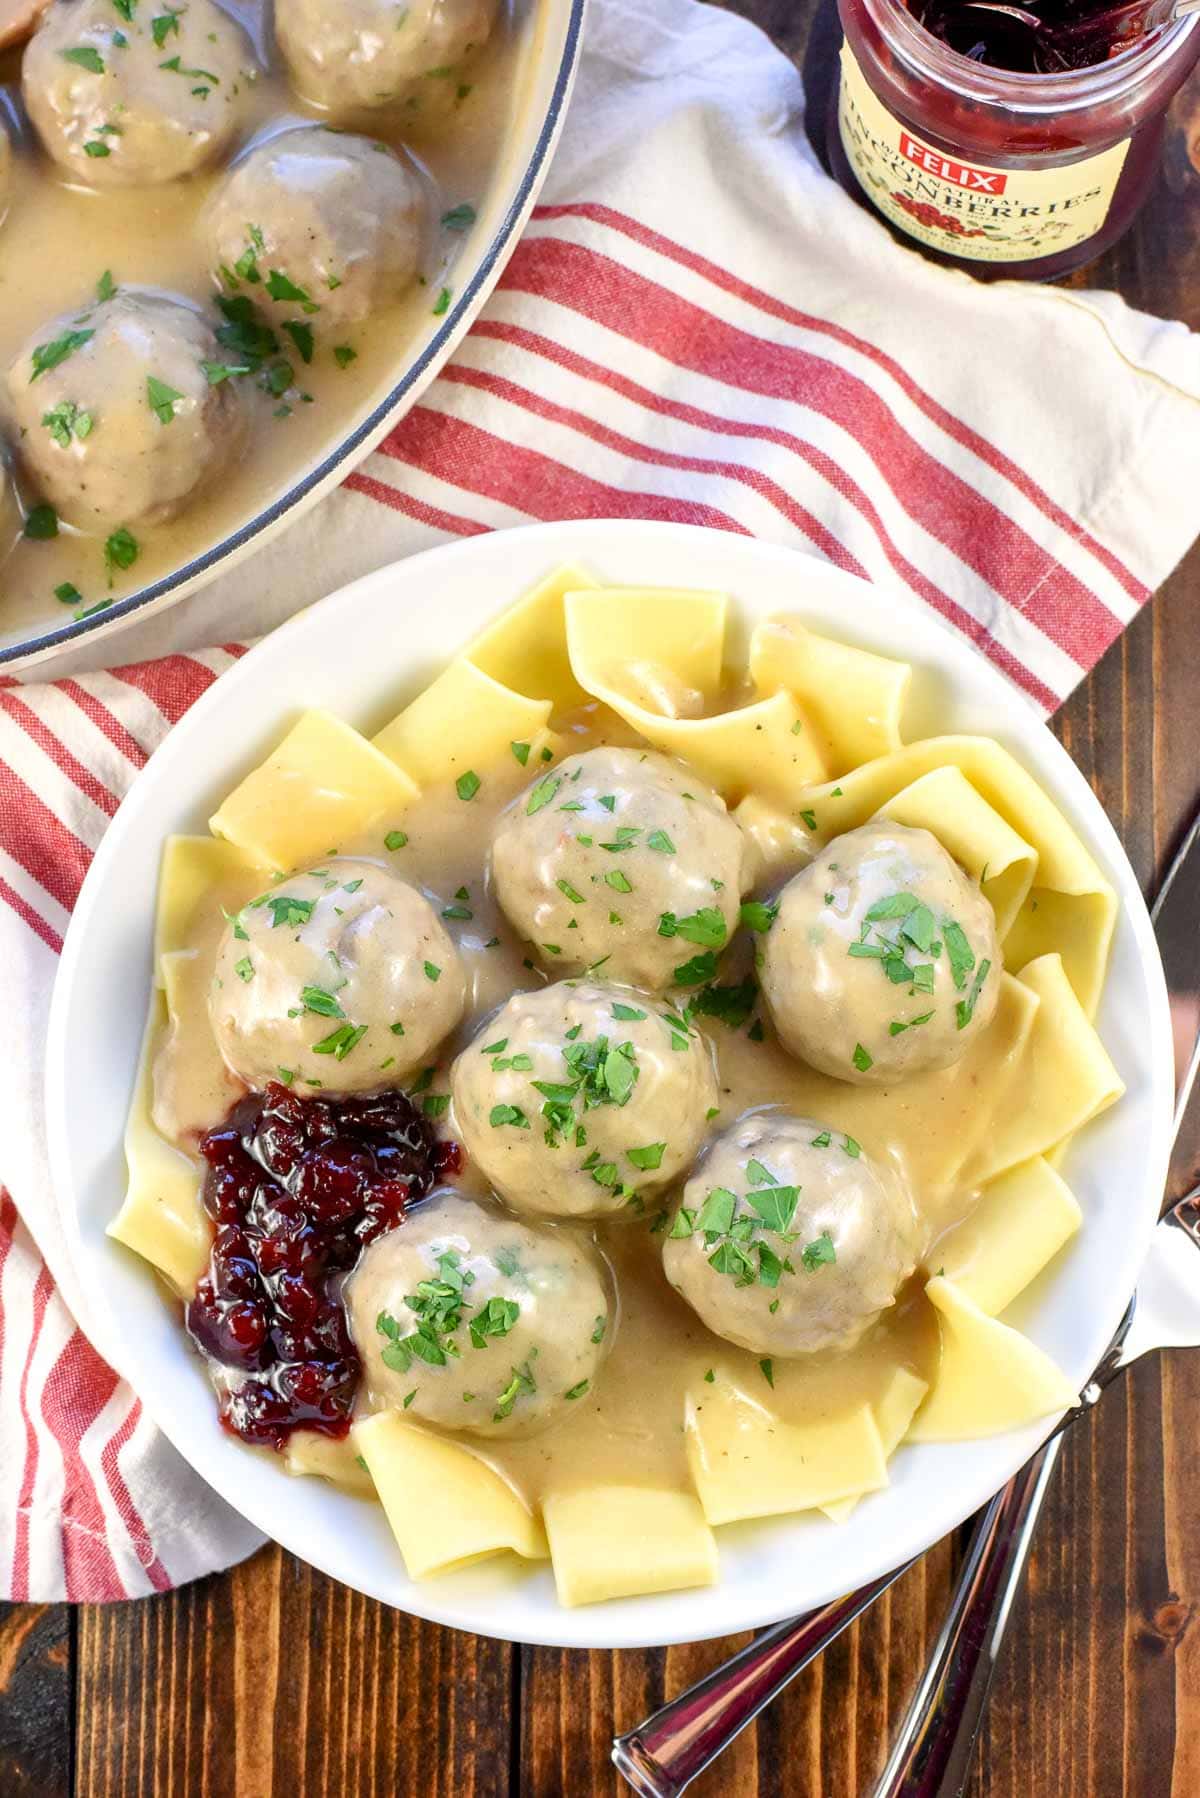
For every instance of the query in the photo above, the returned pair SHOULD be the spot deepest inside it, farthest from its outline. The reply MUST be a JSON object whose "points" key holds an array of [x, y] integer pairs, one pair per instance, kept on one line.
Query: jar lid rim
{"points": [[1085, 87]]}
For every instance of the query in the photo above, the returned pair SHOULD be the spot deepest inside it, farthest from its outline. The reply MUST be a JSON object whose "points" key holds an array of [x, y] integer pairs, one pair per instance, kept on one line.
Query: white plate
{"points": [[363, 652]]}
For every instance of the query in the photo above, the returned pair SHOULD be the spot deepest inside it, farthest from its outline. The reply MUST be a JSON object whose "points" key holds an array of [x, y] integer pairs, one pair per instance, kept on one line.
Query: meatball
{"points": [[621, 857], [576, 1098], [129, 99], [119, 425], [354, 55], [882, 961], [341, 977], [341, 218], [509, 1320], [789, 1238]]}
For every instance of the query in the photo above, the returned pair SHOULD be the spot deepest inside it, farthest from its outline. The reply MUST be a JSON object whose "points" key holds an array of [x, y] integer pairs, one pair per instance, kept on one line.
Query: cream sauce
{"points": [[630, 1426], [59, 239]]}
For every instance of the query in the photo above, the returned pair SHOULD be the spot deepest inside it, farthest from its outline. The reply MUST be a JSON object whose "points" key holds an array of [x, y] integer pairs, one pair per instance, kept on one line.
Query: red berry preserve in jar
{"points": [[1005, 147]]}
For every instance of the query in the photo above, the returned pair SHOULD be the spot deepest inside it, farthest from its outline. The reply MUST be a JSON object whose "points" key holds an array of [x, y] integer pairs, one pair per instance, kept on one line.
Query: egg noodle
{"points": [[802, 737]]}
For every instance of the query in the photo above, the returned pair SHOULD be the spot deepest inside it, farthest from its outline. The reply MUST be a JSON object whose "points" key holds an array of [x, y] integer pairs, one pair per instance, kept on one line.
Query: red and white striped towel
{"points": [[697, 326]]}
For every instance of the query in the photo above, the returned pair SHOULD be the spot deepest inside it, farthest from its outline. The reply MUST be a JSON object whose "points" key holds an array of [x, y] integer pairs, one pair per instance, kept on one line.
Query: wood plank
{"points": [[827, 1734], [35, 1700], [273, 1679]]}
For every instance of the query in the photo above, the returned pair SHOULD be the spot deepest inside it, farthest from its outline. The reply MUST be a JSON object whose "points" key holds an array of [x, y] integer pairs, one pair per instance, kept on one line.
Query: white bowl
{"points": [[549, 36], [338, 654]]}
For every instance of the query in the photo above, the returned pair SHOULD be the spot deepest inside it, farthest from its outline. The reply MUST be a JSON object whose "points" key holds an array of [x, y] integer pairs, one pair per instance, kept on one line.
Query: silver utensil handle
{"points": [[666, 1752], [931, 1757], [932, 1754]]}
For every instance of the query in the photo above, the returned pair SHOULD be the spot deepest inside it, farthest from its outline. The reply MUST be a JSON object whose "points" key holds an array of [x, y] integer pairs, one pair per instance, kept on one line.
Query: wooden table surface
{"points": [[271, 1680]]}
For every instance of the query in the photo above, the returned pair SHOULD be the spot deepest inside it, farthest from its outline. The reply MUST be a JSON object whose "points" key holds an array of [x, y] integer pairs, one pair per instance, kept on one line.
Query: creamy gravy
{"points": [[630, 1427], [59, 239]]}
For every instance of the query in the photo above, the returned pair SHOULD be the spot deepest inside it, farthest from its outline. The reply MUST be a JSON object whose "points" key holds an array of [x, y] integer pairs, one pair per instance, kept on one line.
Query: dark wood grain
{"points": [[36, 1700], [270, 1680]]}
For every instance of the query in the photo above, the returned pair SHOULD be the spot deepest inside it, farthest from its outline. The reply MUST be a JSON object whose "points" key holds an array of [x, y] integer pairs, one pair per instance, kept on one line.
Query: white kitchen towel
{"points": [[697, 326]]}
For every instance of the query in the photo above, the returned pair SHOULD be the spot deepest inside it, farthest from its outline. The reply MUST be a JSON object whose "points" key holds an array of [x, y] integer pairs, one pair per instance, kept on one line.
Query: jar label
{"points": [[969, 209]]}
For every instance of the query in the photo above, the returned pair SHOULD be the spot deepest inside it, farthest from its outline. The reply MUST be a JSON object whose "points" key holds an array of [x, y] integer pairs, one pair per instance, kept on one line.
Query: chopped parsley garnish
{"points": [[647, 1158], [542, 793], [810, 819], [819, 1253], [767, 1369], [705, 928], [960, 953], [163, 26], [437, 1305], [861, 1059], [244, 969], [162, 399], [324, 1004], [69, 594], [286, 909], [49, 355], [577, 1391], [507, 1114], [521, 751], [85, 56], [395, 839], [731, 1004], [66, 420], [618, 881], [175, 66], [775, 1205], [964, 1010], [344, 354], [468, 784], [899, 1025], [121, 550], [598, 1329], [658, 839], [442, 303], [432, 971], [522, 1381], [339, 1042], [106, 286], [216, 372], [459, 218], [245, 331], [627, 1014], [301, 335], [758, 915], [496, 1318], [696, 971], [570, 892]]}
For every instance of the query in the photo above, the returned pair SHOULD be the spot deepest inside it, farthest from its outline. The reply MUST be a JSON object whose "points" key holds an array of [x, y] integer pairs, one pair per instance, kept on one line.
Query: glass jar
{"points": [[1002, 172]]}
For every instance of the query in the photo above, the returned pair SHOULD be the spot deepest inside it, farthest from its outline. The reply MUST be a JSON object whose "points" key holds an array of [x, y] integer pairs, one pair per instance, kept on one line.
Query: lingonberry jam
{"points": [[973, 138], [296, 1188], [1073, 35]]}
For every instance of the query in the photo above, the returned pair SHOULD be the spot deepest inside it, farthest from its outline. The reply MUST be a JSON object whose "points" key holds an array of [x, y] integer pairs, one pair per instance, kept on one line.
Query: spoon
{"points": [[1148, 15]]}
